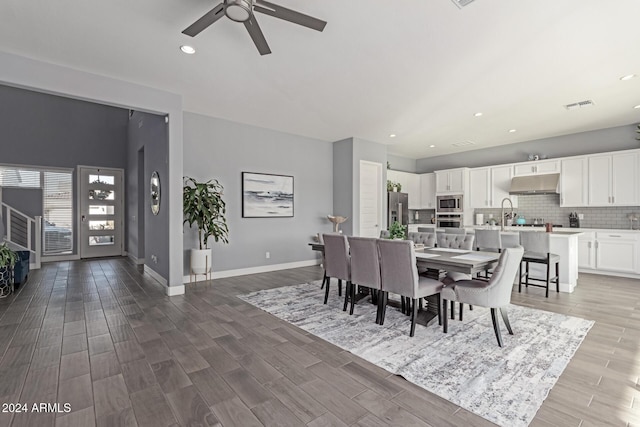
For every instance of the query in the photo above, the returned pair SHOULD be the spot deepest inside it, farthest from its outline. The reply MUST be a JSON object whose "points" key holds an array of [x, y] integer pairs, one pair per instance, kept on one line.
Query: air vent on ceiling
{"points": [[463, 143], [581, 104], [462, 3]]}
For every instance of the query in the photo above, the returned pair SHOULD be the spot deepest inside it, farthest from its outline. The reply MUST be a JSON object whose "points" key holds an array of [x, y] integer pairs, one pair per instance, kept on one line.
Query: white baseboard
{"points": [[175, 290], [155, 275], [57, 258], [609, 273], [135, 260], [253, 270]]}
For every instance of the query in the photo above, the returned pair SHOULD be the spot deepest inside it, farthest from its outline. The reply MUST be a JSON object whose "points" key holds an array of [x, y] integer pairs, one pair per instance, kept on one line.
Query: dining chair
{"points": [[336, 256], [399, 275], [384, 234], [456, 241], [494, 294], [426, 239], [537, 249], [325, 278], [365, 269]]}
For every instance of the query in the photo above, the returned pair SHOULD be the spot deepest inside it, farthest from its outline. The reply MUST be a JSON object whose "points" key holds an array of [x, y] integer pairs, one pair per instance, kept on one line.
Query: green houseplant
{"points": [[397, 231], [204, 207], [8, 259]]}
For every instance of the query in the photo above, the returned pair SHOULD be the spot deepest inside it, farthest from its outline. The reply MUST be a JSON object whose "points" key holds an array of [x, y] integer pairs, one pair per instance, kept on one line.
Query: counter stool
{"points": [[490, 241], [537, 250]]}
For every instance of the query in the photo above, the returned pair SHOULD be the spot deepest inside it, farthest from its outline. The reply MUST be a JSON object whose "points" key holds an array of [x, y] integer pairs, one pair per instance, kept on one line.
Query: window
{"points": [[57, 213]]}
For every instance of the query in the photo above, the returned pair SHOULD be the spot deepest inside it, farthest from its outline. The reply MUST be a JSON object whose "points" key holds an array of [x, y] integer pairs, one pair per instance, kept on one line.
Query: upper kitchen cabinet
{"points": [[451, 180], [410, 183], [428, 191], [574, 186], [537, 167], [489, 186], [613, 179]]}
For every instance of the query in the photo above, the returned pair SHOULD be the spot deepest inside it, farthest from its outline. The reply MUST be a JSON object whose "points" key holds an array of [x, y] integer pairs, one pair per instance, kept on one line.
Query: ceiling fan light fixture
{"points": [[238, 10]]}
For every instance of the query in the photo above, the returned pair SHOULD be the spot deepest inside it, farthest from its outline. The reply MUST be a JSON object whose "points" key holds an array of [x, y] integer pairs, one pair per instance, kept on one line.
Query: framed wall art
{"points": [[266, 195]]}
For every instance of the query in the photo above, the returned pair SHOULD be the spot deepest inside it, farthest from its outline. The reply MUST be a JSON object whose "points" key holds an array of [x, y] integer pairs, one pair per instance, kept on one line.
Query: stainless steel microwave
{"points": [[449, 203]]}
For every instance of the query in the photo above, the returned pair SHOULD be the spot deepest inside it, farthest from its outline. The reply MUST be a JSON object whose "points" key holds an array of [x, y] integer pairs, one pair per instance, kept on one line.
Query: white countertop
{"points": [[558, 230]]}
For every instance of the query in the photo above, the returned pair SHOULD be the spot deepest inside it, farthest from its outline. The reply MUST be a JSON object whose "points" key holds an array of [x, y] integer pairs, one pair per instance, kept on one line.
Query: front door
{"points": [[101, 206], [370, 199]]}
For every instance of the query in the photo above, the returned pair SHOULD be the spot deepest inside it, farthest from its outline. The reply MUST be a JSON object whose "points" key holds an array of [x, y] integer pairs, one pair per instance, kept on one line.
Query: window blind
{"points": [[57, 213]]}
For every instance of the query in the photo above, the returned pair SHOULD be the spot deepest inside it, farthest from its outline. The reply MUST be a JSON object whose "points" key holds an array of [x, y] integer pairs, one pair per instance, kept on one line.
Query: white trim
{"points": [[608, 273], [58, 258], [135, 260], [256, 270], [172, 291], [151, 272]]}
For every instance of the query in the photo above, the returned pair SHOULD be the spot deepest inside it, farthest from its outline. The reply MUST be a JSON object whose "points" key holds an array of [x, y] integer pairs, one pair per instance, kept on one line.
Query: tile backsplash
{"points": [[424, 216], [547, 206]]}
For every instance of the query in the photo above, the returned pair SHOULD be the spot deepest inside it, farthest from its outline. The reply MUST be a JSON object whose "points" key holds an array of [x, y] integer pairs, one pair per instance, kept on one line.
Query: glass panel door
{"points": [[101, 205]]}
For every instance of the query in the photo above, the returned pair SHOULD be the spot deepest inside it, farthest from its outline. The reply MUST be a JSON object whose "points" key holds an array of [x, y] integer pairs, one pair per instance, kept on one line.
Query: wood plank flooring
{"points": [[104, 338]]}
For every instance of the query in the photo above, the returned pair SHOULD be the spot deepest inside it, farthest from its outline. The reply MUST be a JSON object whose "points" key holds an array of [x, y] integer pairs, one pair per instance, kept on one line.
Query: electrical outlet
{"points": [[580, 216], [267, 255]]}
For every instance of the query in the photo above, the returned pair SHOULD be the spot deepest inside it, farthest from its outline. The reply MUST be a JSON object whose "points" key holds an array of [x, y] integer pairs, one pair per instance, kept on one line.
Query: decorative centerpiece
{"points": [[337, 220], [397, 231]]}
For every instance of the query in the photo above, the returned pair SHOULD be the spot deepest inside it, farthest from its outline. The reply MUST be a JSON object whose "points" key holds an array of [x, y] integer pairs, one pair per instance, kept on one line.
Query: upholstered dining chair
{"points": [[494, 294], [488, 241], [399, 275], [537, 249], [384, 234], [325, 278], [456, 241], [365, 269], [337, 265], [426, 239]]}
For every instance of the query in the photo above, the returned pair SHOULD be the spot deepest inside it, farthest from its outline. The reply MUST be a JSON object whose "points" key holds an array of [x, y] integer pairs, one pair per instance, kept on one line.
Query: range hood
{"points": [[535, 184]]}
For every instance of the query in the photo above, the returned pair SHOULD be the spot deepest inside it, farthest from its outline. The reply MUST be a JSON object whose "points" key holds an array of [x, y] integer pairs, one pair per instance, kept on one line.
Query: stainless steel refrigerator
{"points": [[398, 208]]}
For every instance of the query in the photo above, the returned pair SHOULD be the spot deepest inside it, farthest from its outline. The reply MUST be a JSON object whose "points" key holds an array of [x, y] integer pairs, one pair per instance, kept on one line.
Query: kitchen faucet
{"points": [[502, 211]]}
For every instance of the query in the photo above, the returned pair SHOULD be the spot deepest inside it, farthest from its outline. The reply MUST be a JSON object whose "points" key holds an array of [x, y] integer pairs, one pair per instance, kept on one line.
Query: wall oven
{"points": [[449, 203], [449, 221]]}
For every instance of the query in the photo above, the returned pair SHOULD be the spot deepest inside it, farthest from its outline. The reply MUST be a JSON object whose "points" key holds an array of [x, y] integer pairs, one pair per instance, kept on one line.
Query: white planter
{"points": [[200, 261]]}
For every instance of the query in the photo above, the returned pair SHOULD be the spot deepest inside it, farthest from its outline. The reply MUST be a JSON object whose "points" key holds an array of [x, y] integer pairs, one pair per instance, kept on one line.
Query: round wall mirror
{"points": [[155, 193]]}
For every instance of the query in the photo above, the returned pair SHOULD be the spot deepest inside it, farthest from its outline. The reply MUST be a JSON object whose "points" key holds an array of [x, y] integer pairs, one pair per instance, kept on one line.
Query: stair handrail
{"points": [[34, 224]]}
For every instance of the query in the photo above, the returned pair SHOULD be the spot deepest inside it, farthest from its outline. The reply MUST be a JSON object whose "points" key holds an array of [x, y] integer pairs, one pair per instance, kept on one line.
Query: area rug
{"points": [[465, 366]]}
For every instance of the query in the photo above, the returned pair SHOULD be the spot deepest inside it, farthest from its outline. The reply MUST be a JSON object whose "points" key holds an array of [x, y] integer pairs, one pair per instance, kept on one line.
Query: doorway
{"points": [[101, 206], [370, 198]]}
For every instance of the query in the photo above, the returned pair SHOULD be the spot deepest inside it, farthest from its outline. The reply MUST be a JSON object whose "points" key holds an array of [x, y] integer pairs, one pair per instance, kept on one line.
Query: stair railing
{"points": [[24, 232]]}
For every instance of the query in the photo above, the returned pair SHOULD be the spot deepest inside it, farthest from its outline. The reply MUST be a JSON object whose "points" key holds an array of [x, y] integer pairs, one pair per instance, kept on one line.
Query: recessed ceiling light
{"points": [[477, 114], [432, 146], [189, 50], [512, 130], [627, 77], [637, 106], [393, 135]]}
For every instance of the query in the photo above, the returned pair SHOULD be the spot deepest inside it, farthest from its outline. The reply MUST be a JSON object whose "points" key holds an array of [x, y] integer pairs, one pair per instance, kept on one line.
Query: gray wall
{"points": [[342, 183], [28, 201], [404, 164], [220, 149], [148, 136], [597, 141], [47, 130]]}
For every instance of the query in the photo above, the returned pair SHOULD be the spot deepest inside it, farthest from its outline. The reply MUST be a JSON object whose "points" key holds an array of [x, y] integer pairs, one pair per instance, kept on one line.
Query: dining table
{"points": [[434, 262]]}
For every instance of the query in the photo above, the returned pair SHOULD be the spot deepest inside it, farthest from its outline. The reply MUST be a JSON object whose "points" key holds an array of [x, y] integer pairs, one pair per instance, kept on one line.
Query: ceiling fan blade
{"points": [[209, 18], [256, 35], [288, 15]]}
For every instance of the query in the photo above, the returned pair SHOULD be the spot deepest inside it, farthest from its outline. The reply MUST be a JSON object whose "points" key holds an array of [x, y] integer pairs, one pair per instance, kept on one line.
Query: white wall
{"points": [[220, 149]]}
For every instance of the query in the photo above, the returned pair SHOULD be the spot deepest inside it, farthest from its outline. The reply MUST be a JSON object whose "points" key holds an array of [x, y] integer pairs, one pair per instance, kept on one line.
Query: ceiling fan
{"points": [[243, 11]]}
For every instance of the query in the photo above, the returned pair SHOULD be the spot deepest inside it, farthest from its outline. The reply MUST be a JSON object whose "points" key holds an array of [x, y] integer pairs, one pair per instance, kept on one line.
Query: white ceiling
{"points": [[418, 69]]}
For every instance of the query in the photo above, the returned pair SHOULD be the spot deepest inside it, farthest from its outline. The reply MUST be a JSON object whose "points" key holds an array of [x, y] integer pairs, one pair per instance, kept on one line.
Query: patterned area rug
{"points": [[465, 366]]}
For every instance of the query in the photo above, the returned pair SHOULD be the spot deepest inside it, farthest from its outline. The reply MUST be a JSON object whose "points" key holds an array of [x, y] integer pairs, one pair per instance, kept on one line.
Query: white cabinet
{"points": [[574, 182], [538, 167], [613, 180], [451, 180], [410, 183], [489, 186], [618, 251], [587, 250], [428, 191]]}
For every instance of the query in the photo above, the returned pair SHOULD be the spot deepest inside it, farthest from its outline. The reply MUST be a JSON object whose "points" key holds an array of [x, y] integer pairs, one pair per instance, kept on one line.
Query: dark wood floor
{"points": [[103, 338]]}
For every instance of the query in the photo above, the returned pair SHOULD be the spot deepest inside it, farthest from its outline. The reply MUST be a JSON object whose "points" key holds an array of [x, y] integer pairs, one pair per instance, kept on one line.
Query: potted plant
{"points": [[8, 259], [204, 207], [397, 231], [389, 185], [398, 187]]}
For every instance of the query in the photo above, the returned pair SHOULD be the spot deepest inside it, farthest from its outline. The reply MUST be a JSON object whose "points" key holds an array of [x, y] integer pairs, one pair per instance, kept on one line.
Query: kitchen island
{"points": [[563, 243]]}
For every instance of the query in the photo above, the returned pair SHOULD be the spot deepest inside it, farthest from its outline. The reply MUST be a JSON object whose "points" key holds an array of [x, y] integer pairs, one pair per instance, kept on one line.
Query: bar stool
{"points": [[537, 250], [490, 241]]}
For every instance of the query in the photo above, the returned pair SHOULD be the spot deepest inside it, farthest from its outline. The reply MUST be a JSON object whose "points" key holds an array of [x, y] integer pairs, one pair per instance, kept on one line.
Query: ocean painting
{"points": [[265, 195]]}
